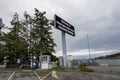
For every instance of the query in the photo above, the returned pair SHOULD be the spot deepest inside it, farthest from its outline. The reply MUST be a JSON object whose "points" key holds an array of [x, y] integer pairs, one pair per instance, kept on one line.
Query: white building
{"points": [[45, 61], [69, 62]]}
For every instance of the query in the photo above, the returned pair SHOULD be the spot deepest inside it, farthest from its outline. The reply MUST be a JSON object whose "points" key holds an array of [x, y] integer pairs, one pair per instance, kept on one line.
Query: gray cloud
{"points": [[98, 18], [103, 33]]}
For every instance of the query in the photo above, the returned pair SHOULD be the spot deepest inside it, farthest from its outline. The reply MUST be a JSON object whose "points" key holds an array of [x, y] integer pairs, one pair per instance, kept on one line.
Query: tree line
{"points": [[30, 36], [111, 56]]}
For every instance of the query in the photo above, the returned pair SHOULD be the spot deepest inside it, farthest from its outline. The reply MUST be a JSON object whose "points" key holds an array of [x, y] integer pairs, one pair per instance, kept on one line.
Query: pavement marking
{"points": [[26, 70], [46, 75], [11, 75], [43, 76], [37, 75], [54, 75], [40, 69]]}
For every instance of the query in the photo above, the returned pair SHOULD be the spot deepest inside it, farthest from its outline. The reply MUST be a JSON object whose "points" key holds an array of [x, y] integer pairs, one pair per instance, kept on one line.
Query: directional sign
{"points": [[63, 25]]}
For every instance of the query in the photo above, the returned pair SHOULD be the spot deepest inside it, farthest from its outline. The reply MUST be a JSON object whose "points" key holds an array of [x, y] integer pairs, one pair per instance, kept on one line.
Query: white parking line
{"points": [[11, 75]]}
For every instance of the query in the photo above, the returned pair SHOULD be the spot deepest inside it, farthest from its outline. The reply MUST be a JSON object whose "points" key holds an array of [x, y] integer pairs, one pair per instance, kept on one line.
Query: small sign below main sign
{"points": [[64, 26]]}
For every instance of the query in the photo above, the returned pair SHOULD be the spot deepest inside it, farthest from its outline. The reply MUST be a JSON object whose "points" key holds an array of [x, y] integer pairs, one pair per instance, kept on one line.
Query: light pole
{"points": [[88, 48], [27, 32]]}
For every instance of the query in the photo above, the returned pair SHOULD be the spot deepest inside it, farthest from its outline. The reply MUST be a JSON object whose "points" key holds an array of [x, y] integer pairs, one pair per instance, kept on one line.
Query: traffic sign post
{"points": [[64, 49], [65, 27]]}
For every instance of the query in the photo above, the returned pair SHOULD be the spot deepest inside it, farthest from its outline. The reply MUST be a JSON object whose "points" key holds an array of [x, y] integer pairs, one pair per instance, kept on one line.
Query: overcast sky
{"points": [[100, 19]]}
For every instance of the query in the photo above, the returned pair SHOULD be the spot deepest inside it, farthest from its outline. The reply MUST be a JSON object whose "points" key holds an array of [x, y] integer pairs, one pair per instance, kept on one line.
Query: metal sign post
{"points": [[64, 49], [65, 27]]}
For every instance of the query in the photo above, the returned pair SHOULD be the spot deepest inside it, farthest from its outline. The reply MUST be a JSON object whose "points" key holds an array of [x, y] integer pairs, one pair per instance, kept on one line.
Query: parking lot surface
{"points": [[5, 75], [86, 76], [62, 75], [24, 76], [106, 69]]}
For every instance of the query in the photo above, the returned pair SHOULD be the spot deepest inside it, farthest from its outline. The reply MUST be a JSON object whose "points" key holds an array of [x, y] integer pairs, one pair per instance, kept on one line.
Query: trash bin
{"points": [[35, 66]]}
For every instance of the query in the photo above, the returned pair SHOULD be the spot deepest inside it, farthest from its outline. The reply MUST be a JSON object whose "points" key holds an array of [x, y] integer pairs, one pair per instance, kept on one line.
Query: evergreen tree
{"points": [[31, 36], [1, 41], [15, 44], [41, 35]]}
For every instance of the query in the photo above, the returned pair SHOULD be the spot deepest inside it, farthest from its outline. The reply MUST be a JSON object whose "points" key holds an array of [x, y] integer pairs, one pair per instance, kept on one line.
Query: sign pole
{"points": [[65, 27], [64, 49]]}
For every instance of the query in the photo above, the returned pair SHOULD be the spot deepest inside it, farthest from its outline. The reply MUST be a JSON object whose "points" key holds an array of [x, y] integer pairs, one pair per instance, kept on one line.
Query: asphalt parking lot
{"points": [[106, 69], [86, 76], [62, 75], [5, 75], [24, 76], [18, 76]]}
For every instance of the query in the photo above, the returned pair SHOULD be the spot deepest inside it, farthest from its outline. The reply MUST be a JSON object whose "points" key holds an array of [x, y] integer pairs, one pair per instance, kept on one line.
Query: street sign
{"points": [[64, 26]]}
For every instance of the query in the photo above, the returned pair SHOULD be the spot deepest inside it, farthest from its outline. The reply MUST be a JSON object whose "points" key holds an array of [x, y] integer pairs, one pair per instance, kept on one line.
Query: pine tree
{"points": [[41, 35], [1, 41], [31, 36], [15, 44]]}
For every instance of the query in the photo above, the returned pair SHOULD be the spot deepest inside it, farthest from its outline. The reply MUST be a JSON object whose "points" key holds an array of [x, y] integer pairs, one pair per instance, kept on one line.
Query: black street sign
{"points": [[64, 26]]}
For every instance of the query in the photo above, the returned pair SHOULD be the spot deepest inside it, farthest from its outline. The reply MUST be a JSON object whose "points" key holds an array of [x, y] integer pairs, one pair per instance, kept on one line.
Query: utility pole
{"points": [[16, 22], [88, 47], [1, 26], [27, 32]]}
